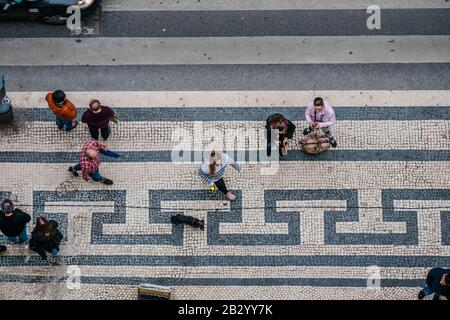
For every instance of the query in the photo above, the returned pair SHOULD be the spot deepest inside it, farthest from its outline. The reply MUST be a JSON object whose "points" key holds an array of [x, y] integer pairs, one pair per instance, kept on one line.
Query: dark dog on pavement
{"points": [[191, 221]]}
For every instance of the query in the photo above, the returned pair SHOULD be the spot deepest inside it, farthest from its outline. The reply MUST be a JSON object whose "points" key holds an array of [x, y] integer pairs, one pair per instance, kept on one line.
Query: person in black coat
{"points": [[45, 237], [438, 282], [13, 222], [286, 132]]}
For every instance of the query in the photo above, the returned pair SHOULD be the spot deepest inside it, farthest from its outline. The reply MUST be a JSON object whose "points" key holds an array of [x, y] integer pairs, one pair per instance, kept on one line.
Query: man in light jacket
{"points": [[320, 115]]}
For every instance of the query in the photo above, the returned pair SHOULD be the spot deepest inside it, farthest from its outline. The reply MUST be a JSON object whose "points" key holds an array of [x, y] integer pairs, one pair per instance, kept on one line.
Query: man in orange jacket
{"points": [[63, 109]]}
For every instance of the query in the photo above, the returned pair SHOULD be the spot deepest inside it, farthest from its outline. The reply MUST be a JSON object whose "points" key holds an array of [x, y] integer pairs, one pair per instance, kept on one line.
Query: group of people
{"points": [[98, 119], [45, 237], [319, 116]]}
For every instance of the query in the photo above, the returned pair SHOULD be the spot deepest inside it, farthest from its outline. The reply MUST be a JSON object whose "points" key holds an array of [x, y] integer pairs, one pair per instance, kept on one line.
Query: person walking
{"points": [[13, 223], [63, 109], [45, 237], [320, 115], [286, 131], [98, 117], [212, 169], [90, 162], [437, 282]]}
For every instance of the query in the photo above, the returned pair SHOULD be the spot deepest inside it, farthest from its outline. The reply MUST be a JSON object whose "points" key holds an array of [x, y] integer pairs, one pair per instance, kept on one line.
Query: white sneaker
{"points": [[230, 196]]}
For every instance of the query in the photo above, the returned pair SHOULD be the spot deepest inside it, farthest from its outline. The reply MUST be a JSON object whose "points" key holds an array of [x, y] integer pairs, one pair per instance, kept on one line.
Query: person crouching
{"points": [[320, 115], [286, 131]]}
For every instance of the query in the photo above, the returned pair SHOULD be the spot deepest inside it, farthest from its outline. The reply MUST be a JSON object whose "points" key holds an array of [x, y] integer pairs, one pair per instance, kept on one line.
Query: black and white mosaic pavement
{"points": [[363, 221]]}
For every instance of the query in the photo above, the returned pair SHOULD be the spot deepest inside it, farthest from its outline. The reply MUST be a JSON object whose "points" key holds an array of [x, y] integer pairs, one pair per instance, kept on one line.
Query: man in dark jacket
{"points": [[286, 132], [97, 117], [438, 282], [13, 222]]}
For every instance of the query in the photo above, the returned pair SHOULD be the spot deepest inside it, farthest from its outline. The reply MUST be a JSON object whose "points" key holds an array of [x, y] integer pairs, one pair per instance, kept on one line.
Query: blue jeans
{"points": [[427, 290], [66, 124], [23, 237], [96, 176], [55, 252]]}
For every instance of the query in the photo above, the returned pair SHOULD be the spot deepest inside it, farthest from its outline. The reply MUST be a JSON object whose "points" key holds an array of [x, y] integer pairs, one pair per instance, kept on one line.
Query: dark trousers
{"points": [[220, 184], [105, 131]]}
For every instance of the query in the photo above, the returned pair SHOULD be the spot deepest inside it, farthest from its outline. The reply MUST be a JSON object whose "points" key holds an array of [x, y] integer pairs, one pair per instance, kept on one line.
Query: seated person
{"points": [[320, 115]]}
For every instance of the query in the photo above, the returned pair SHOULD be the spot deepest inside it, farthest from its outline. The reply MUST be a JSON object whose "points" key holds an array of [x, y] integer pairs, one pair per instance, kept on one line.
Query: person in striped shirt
{"points": [[213, 168]]}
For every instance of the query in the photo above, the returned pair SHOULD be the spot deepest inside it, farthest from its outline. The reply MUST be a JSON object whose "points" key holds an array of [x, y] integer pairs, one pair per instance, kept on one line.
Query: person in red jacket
{"points": [[63, 109], [97, 117]]}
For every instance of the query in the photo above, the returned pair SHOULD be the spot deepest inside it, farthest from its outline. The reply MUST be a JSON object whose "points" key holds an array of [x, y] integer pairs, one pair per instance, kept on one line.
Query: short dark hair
{"points": [[447, 279], [58, 96], [7, 206], [318, 102]]}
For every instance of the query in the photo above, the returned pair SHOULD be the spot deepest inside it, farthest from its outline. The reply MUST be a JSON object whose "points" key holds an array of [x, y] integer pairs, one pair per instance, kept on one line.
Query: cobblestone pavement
{"points": [[366, 220]]}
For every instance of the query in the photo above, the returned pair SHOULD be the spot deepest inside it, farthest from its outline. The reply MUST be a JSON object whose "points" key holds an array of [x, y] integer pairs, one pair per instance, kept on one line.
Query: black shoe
{"points": [[108, 182], [74, 172], [306, 131], [333, 142], [421, 295], [437, 296], [2, 248]]}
